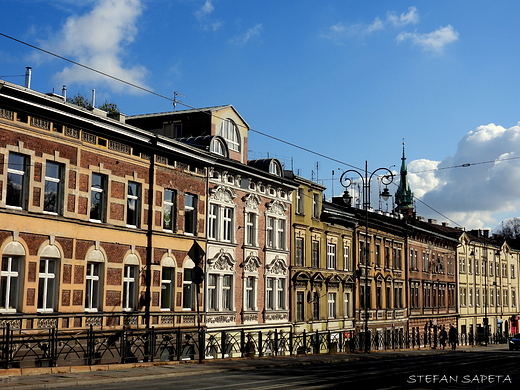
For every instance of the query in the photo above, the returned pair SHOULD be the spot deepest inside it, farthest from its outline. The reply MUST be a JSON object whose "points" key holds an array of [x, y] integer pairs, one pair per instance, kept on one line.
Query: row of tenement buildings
{"points": [[98, 215]]}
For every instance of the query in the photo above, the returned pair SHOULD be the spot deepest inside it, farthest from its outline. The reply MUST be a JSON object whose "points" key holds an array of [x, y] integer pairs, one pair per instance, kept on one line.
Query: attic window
{"points": [[275, 168], [217, 147], [229, 131]]}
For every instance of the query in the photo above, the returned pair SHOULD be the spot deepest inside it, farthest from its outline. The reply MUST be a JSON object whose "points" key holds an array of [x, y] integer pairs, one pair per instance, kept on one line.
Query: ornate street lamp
{"points": [[366, 180]]}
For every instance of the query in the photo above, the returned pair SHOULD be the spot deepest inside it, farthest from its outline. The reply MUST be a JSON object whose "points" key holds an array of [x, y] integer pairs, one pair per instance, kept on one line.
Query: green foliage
{"points": [[82, 101], [111, 108]]}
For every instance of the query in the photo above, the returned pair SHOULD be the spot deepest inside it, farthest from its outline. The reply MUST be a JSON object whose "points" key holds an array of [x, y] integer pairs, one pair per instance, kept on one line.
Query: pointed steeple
{"points": [[404, 195]]}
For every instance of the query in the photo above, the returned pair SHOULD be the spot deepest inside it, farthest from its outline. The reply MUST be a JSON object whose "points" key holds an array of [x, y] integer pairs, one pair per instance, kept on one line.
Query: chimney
{"points": [[93, 98], [64, 93], [28, 77], [432, 221]]}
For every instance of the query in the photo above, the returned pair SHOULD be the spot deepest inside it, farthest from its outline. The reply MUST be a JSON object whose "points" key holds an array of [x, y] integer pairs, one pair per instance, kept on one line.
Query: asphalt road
{"points": [[478, 368]]}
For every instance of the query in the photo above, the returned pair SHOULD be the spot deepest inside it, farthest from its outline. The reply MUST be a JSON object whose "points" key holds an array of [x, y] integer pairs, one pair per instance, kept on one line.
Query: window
{"points": [[462, 296], [221, 223], [298, 258], [169, 210], [462, 265], [190, 214], [53, 194], [513, 298], [315, 253], [130, 288], [513, 271], [346, 304], [275, 234], [217, 147], [220, 292], [251, 229], [47, 285], [188, 296], [398, 259], [388, 296], [9, 283], [275, 293], [229, 131], [346, 258], [315, 205], [379, 297], [378, 254], [17, 186], [250, 295], [300, 306], [98, 202], [167, 288], [275, 168], [331, 305], [387, 257], [227, 292], [299, 201], [133, 204], [315, 305], [92, 287], [331, 256], [212, 292]]}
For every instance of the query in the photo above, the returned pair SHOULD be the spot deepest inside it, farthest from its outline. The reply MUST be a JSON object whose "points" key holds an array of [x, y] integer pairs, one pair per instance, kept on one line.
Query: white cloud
{"points": [[484, 182], [411, 17], [244, 38], [341, 31], [98, 39], [434, 41], [203, 16]]}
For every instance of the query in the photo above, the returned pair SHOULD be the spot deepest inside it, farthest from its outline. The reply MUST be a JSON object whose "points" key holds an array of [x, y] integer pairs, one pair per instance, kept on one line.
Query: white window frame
{"points": [[99, 191], [331, 305], [130, 280], [23, 174], [251, 229], [169, 207], [10, 283], [250, 293], [58, 191], [220, 295], [93, 286], [276, 293], [346, 258], [190, 215], [229, 131], [168, 289], [221, 222], [189, 291], [331, 256], [50, 281], [134, 199]]}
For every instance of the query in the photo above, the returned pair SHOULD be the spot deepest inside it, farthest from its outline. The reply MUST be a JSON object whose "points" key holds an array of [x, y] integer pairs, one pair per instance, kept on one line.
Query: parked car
{"points": [[514, 342]]}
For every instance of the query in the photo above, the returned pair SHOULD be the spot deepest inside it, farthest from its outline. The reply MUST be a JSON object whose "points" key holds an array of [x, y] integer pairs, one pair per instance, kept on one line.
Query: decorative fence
{"points": [[89, 347]]}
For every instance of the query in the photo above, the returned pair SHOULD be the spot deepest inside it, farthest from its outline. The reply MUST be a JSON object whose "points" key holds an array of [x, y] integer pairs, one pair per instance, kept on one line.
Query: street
{"points": [[479, 368]]}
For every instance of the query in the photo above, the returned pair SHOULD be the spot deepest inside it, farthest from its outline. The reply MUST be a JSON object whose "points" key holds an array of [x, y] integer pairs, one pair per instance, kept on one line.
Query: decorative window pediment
{"points": [[223, 195], [318, 278], [252, 202], [333, 280], [277, 267], [349, 280], [276, 208], [252, 264], [302, 276], [222, 262]]}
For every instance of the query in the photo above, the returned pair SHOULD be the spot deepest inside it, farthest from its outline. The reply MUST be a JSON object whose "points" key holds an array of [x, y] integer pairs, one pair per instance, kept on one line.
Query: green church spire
{"points": [[404, 195]]}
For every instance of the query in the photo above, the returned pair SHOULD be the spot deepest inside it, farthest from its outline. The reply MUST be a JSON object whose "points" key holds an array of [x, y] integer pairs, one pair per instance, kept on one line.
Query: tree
{"points": [[510, 228], [80, 100], [111, 108]]}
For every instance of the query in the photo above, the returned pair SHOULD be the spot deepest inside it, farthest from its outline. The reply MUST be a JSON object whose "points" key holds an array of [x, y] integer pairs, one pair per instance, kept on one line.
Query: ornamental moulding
{"points": [[222, 194], [277, 267], [222, 262]]}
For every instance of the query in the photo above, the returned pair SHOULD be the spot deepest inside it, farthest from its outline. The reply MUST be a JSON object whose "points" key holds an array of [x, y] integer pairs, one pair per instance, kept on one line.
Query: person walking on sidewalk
{"points": [[443, 335], [452, 335]]}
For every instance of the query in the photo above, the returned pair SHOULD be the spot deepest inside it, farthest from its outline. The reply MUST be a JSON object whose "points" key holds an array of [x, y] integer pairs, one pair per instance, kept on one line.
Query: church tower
{"points": [[404, 195]]}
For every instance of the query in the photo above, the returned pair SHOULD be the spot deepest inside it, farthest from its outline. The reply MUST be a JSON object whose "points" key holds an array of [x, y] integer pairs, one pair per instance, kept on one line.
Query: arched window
{"points": [[229, 131], [275, 168], [217, 147]]}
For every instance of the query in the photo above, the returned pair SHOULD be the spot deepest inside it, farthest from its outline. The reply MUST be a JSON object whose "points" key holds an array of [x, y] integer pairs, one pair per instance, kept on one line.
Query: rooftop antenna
{"points": [[175, 101]]}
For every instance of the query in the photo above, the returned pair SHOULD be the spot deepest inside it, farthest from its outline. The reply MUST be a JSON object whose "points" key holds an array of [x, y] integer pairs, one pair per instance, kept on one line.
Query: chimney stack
{"points": [[28, 77]]}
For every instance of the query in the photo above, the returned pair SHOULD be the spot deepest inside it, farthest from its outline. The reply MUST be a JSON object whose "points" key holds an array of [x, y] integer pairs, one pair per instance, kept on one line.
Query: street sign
{"points": [[196, 253]]}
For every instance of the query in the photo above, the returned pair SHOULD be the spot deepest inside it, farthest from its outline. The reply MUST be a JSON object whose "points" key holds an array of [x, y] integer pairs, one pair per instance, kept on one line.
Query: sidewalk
{"points": [[68, 377]]}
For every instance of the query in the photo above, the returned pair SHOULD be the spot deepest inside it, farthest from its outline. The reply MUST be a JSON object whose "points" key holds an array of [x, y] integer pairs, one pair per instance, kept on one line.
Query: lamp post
{"points": [[366, 180]]}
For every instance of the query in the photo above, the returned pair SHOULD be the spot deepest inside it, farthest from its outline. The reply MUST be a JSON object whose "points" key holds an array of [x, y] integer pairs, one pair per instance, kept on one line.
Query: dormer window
{"points": [[229, 131], [275, 168], [217, 146]]}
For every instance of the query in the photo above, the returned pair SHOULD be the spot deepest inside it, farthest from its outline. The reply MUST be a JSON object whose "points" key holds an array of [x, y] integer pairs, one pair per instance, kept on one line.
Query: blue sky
{"points": [[347, 79]]}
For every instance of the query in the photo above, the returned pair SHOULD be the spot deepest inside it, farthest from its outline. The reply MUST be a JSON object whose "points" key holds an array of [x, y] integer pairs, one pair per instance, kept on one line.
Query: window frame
{"points": [[93, 288], [10, 283], [190, 214], [133, 219], [130, 287], [98, 190], [23, 182], [47, 301], [169, 206]]}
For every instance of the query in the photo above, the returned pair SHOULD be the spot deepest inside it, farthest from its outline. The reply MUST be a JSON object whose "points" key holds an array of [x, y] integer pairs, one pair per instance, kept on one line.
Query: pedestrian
{"points": [[443, 335], [453, 337]]}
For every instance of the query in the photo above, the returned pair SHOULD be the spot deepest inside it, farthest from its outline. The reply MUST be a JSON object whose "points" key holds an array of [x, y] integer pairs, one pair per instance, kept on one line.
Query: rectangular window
{"points": [[331, 305], [212, 292], [269, 236], [275, 233], [315, 205], [213, 221], [47, 285], [378, 255], [269, 294], [331, 256], [17, 177], [167, 288], [315, 305], [53, 192], [387, 257], [227, 292], [388, 296], [190, 214], [133, 204], [9, 283], [251, 229], [346, 258], [130, 288], [300, 306], [298, 258], [280, 234], [92, 287], [227, 224], [250, 301], [346, 304], [169, 210], [281, 294], [98, 202], [188, 291], [315, 254], [299, 200]]}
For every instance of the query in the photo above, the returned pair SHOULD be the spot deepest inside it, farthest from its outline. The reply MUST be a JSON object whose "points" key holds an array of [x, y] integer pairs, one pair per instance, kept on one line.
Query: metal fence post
{"points": [[223, 343], [291, 342]]}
